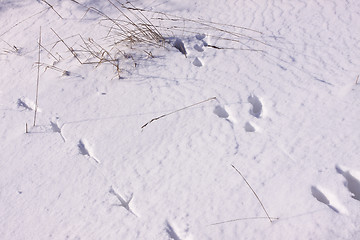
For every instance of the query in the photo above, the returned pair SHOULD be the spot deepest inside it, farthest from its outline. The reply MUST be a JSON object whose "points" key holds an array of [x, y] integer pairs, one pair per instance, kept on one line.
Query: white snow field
{"points": [[145, 108]]}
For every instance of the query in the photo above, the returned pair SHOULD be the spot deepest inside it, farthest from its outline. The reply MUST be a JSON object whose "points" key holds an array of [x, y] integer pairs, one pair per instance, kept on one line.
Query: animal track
{"points": [[197, 62], [123, 202], [319, 195], [26, 104], [55, 128], [179, 45], [85, 150], [249, 128], [198, 48], [329, 199], [221, 112], [171, 232], [256, 109], [200, 36], [352, 180]]}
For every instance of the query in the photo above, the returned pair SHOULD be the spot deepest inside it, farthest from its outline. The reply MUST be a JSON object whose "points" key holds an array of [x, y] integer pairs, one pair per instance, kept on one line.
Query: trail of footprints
{"points": [[84, 149], [256, 111], [352, 183], [323, 195], [198, 47]]}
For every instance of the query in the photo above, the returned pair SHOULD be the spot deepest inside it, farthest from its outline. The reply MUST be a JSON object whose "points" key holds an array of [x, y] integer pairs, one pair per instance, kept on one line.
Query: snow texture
{"points": [[283, 107]]}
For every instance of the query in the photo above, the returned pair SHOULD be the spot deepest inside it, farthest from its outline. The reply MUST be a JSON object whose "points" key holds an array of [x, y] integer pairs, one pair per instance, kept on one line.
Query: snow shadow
{"points": [[221, 112], [171, 232], [322, 195], [352, 181], [256, 109], [319, 195], [82, 148], [179, 45], [249, 128], [197, 62]]}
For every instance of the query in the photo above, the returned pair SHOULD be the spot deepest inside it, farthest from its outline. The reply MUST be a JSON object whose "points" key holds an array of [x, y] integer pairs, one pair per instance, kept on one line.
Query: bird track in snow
{"points": [[352, 180], [84, 150], [171, 232], [352, 183], [326, 197], [123, 203], [56, 128]]}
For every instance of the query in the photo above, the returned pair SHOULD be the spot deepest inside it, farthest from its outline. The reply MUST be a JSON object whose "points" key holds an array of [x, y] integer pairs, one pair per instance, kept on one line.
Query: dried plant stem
{"points": [[157, 118], [23, 21], [47, 66], [357, 80], [69, 48], [50, 6], [240, 219], [262, 205], [50, 53], [37, 79]]}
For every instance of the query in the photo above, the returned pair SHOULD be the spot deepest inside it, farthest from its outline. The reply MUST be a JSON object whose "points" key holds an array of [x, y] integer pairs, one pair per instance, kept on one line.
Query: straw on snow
{"points": [[157, 118]]}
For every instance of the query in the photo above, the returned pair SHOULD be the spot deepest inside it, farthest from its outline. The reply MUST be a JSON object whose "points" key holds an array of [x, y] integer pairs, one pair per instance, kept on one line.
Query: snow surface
{"points": [[286, 115]]}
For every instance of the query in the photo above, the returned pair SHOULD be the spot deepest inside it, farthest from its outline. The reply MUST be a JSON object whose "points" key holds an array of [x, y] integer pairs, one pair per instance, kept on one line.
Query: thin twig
{"points": [[50, 53], [157, 118], [357, 80], [47, 66], [38, 79], [69, 48], [262, 205], [22, 21], [241, 219], [52, 8]]}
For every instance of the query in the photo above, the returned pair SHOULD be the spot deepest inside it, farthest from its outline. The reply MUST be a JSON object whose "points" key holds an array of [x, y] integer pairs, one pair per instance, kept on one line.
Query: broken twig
{"points": [[157, 118], [241, 219], [50, 6], [69, 48], [262, 205], [37, 79]]}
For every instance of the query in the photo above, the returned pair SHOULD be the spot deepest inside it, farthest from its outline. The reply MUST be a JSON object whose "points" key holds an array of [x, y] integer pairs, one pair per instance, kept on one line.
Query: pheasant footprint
{"points": [[329, 199], [171, 232]]}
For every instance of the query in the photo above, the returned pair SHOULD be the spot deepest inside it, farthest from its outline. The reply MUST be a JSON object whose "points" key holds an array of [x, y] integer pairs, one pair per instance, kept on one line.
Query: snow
{"points": [[268, 87]]}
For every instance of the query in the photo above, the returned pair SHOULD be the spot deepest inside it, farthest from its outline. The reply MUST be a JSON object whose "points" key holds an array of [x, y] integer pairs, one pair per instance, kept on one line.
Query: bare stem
{"points": [[241, 219], [50, 6], [157, 118], [37, 79], [69, 48], [262, 205]]}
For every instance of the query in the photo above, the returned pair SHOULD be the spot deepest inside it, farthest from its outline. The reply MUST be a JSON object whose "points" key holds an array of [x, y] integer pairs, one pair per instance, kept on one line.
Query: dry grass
{"points": [[131, 34], [253, 191], [178, 110], [51, 7], [37, 79]]}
